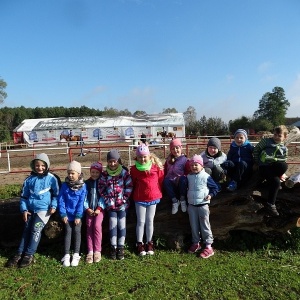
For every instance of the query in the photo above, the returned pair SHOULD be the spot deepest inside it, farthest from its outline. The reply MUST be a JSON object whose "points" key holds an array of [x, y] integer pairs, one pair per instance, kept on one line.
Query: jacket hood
{"points": [[43, 157]]}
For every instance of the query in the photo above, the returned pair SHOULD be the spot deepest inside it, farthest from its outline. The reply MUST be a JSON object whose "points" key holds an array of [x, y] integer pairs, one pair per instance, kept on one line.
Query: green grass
{"points": [[263, 274], [10, 191]]}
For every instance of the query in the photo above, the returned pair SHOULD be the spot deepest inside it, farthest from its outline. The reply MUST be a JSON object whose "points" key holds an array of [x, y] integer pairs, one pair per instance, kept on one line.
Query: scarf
{"points": [[115, 172], [143, 167], [76, 184]]}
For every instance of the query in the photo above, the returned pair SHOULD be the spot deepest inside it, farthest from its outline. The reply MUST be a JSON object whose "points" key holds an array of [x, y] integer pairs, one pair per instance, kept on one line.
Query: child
{"points": [[70, 204], [38, 202], [270, 154], [115, 186], [200, 189], [175, 166], [147, 176], [239, 161], [94, 208], [213, 157]]}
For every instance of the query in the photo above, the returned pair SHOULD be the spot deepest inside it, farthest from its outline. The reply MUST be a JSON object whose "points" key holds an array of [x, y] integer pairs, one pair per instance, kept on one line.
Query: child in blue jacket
{"points": [[38, 202], [239, 163], [70, 204]]}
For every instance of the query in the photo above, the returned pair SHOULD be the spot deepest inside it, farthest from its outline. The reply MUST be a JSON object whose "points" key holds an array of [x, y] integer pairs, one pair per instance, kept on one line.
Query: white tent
{"points": [[51, 130]]}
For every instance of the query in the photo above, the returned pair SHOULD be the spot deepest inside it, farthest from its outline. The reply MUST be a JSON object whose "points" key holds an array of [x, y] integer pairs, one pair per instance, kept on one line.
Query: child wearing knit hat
{"points": [[115, 187], [239, 163], [176, 165], [70, 205], [147, 175], [94, 207], [200, 189], [213, 157]]}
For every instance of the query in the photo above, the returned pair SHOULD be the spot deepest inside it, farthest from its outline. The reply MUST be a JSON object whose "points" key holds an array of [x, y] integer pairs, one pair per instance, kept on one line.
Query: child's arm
{"points": [[213, 188], [79, 206], [128, 186], [61, 204], [54, 195]]}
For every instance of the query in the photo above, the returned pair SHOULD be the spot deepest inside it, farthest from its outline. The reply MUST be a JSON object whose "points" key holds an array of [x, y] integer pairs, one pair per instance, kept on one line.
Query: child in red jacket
{"points": [[147, 176]]}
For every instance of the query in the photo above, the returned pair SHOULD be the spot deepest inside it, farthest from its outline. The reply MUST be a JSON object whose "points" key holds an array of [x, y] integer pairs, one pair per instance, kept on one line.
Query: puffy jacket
{"points": [[147, 185], [200, 185], [174, 170], [93, 199], [240, 153], [70, 202], [210, 161]]}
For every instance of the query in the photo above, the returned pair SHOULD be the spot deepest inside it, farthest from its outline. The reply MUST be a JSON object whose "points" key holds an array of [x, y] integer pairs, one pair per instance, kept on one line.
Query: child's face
{"points": [[279, 137], [73, 175], [39, 166], [176, 151], [95, 174], [212, 150], [239, 139], [113, 164], [195, 167], [143, 159]]}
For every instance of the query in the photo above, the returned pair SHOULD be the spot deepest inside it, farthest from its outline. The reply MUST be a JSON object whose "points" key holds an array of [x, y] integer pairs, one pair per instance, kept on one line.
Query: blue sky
{"points": [[218, 56]]}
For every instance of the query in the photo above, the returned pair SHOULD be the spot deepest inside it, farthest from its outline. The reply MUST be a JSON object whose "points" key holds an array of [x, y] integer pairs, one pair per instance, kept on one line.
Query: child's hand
{"points": [[90, 212], [65, 220], [208, 197], [97, 212], [51, 211], [77, 221], [25, 215]]}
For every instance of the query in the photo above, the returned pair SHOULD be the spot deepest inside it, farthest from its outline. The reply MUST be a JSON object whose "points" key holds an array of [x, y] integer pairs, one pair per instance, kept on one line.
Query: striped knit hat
{"points": [[243, 132]]}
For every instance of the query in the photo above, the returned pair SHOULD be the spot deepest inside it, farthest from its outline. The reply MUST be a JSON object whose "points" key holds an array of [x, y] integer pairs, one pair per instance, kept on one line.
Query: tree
{"points": [[190, 116], [3, 94], [273, 107], [139, 113], [169, 110], [243, 122]]}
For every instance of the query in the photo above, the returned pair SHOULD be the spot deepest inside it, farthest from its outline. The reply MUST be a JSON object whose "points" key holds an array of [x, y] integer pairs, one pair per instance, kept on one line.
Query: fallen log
{"points": [[240, 210]]}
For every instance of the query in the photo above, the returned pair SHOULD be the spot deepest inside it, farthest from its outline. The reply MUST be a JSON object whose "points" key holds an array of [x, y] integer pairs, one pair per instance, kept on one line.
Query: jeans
{"points": [[238, 171], [31, 235], [175, 188]]}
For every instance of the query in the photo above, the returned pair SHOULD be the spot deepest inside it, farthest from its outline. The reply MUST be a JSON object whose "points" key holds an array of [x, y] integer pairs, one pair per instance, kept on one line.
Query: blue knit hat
{"points": [[243, 132]]}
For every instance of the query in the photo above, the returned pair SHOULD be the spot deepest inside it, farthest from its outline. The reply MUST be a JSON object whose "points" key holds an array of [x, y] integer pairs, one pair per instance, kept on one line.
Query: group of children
{"points": [[189, 183]]}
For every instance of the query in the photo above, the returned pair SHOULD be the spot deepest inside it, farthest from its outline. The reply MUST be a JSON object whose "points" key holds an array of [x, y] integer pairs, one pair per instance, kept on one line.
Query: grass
{"points": [[264, 274], [10, 191]]}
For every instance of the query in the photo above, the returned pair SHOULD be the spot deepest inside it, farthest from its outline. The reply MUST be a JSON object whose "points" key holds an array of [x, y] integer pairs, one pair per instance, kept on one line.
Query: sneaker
{"points": [[194, 248], [75, 260], [113, 252], [207, 252], [26, 261], [232, 186], [89, 258], [97, 257], [140, 249], [183, 206], [66, 260], [175, 206], [150, 248], [14, 261], [120, 253], [272, 210]]}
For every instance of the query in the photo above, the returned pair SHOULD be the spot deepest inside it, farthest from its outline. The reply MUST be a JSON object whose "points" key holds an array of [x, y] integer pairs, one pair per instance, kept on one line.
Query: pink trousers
{"points": [[94, 232]]}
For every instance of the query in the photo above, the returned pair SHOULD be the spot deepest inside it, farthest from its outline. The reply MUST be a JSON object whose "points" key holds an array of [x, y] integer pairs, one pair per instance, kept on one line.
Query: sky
{"points": [[217, 56]]}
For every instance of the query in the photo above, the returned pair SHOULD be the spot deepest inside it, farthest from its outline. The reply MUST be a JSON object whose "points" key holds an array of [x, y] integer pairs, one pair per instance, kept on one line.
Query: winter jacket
{"points": [[93, 200], [200, 185], [268, 151], [70, 202], [174, 170], [115, 190], [241, 153], [147, 185], [210, 161]]}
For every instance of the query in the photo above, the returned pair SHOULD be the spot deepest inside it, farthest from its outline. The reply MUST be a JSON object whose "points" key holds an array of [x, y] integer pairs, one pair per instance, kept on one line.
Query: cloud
{"points": [[264, 67], [94, 92], [293, 95], [229, 78]]}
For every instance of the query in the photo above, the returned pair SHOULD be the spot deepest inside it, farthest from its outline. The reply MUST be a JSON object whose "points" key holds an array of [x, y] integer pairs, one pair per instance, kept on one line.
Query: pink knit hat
{"points": [[174, 143], [142, 150], [197, 159], [96, 166]]}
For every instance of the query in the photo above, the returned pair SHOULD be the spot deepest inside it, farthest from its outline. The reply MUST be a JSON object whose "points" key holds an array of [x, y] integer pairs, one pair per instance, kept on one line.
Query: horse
{"points": [[73, 138], [165, 134]]}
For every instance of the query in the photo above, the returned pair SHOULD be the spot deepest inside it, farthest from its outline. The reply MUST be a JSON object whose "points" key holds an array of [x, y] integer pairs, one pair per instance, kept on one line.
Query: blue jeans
{"points": [[117, 227], [238, 171], [176, 188], [31, 235]]}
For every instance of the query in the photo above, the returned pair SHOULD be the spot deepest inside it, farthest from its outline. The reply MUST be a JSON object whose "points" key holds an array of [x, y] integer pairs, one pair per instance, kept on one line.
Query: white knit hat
{"points": [[74, 166]]}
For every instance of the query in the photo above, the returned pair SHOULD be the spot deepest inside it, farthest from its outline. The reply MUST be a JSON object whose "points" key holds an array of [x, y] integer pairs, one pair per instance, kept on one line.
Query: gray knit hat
{"points": [[74, 166], [215, 142], [113, 154], [243, 132]]}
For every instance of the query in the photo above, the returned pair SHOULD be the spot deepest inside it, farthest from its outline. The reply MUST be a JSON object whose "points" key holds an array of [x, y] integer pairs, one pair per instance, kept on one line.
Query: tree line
{"points": [[271, 112]]}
